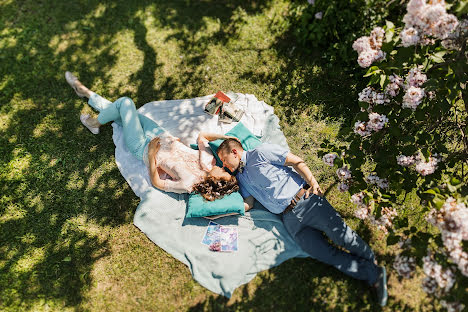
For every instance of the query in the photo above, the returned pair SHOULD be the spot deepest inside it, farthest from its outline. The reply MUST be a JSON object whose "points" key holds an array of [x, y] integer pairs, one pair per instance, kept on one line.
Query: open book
{"points": [[225, 107]]}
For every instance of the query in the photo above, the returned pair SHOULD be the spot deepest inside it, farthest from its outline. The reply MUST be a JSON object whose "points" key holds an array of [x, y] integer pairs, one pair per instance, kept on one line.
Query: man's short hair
{"points": [[228, 145]]}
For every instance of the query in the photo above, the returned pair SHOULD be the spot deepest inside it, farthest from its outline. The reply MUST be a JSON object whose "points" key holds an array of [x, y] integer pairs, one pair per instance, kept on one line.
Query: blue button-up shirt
{"points": [[267, 179]]}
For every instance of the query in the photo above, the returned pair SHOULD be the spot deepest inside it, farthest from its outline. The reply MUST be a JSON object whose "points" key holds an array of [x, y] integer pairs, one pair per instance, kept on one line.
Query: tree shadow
{"points": [[60, 187]]}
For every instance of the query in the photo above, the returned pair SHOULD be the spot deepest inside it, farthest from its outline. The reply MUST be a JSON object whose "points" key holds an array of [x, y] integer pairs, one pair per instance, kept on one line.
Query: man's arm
{"points": [[300, 166], [248, 203]]}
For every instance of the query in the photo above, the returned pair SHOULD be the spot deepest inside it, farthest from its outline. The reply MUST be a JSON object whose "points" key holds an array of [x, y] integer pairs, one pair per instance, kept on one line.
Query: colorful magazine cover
{"points": [[228, 238], [221, 238], [225, 107], [213, 107], [211, 234]]}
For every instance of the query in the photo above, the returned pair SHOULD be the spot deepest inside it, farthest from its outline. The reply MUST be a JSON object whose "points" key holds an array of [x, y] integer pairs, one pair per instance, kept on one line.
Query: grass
{"points": [[67, 239]]}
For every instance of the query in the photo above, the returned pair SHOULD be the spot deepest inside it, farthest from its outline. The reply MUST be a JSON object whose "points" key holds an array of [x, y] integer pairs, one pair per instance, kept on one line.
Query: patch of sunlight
{"points": [[212, 26], [53, 219], [60, 43], [35, 200], [7, 253], [80, 223], [19, 165], [28, 238], [8, 39], [5, 120], [252, 31], [48, 124], [75, 182], [112, 183], [98, 12], [98, 172], [13, 212], [129, 60], [32, 257]]}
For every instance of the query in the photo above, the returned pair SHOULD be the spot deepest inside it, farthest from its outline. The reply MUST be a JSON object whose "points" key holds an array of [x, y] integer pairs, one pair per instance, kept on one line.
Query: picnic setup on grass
{"points": [[247, 242]]}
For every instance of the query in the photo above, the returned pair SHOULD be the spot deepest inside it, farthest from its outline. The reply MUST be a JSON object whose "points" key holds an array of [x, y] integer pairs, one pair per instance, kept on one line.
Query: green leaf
{"points": [[438, 202], [455, 181], [431, 192], [372, 71], [393, 239], [389, 25], [383, 78], [436, 58]]}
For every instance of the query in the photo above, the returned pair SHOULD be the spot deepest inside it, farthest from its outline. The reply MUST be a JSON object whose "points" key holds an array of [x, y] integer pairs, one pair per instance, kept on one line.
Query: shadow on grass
{"points": [[60, 187], [300, 285], [61, 190]]}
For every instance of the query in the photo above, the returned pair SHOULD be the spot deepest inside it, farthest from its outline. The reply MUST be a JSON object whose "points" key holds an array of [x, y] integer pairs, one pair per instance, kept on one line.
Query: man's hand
{"points": [[315, 189], [300, 166]]}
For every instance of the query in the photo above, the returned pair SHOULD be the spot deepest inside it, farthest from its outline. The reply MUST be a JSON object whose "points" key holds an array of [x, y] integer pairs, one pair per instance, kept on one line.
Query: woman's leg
{"points": [[124, 112], [98, 102]]}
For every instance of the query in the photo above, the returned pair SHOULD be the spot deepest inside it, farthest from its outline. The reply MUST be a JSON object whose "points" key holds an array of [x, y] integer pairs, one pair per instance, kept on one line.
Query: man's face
{"points": [[230, 160]]}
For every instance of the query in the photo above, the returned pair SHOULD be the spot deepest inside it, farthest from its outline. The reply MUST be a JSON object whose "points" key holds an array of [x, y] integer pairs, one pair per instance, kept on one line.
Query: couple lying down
{"points": [[264, 173]]}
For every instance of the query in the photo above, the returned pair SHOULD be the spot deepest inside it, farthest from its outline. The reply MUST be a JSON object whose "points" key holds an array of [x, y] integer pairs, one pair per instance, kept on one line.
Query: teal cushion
{"points": [[248, 140], [199, 207]]}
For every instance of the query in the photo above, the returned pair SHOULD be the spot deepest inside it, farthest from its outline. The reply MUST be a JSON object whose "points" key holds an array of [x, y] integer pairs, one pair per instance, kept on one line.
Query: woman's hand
{"points": [[153, 147]]}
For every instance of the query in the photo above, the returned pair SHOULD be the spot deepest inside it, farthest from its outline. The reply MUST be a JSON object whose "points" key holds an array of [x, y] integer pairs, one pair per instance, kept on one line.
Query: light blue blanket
{"points": [[263, 240]]}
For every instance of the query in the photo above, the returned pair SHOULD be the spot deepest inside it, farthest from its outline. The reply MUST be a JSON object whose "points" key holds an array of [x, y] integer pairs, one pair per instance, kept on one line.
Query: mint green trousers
{"points": [[138, 130]]}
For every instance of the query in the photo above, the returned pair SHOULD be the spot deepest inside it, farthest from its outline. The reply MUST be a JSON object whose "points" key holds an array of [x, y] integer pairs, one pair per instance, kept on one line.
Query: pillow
{"points": [[232, 203], [199, 207], [248, 140]]}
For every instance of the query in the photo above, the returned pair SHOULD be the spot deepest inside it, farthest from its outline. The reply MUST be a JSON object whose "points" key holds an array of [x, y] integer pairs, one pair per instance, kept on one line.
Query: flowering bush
{"points": [[411, 137], [333, 24]]}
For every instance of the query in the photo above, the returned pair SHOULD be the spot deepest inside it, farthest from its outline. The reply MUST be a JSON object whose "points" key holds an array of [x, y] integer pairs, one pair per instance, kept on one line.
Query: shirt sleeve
{"points": [[273, 153], [243, 191]]}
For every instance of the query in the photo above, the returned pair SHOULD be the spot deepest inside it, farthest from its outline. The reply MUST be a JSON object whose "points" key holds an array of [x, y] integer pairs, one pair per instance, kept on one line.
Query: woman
{"points": [[173, 166]]}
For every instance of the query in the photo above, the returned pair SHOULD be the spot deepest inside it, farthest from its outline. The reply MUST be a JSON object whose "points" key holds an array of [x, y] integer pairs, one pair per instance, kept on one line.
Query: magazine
{"points": [[221, 238], [213, 107], [224, 106], [231, 110]]}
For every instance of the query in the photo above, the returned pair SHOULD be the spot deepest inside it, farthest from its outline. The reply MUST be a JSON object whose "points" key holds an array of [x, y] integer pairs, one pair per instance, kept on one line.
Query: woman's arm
{"points": [[153, 148], [205, 155], [214, 136]]}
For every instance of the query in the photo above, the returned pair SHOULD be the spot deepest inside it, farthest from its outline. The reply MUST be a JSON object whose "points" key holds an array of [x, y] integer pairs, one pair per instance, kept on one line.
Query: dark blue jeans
{"points": [[311, 219]]}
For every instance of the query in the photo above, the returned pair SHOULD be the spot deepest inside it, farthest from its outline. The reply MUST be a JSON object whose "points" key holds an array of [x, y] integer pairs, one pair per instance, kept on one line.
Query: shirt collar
{"points": [[243, 156], [240, 169]]}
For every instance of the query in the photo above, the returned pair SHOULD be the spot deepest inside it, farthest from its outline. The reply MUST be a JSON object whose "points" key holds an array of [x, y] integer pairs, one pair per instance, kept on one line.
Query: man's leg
{"points": [[320, 215], [315, 244]]}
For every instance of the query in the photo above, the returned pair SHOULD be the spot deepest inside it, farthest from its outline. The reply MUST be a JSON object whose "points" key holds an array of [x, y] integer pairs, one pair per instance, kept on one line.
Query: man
{"points": [[265, 173]]}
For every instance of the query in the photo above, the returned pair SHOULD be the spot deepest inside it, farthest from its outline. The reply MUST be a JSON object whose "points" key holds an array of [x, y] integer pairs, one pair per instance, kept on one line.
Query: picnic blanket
{"points": [[263, 240]]}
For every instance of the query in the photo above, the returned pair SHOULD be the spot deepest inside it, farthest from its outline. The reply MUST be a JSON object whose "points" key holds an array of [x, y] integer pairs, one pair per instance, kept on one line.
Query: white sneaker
{"points": [[84, 119], [71, 79]]}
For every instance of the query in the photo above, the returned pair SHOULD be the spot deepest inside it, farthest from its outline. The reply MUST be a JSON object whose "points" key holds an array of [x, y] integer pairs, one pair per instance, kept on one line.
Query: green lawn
{"points": [[67, 241]]}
